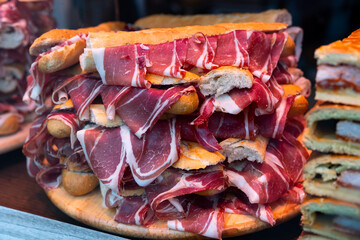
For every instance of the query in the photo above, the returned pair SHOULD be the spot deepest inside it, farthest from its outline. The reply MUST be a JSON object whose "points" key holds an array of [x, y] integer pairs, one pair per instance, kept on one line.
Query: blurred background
{"points": [[323, 21]]}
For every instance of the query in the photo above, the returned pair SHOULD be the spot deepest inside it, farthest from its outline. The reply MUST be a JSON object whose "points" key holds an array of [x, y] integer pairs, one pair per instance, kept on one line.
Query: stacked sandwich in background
{"points": [[187, 128], [20, 24], [332, 175]]}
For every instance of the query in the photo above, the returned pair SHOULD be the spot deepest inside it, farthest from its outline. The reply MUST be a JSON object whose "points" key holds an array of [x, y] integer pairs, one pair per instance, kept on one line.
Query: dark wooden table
{"points": [[21, 192]]}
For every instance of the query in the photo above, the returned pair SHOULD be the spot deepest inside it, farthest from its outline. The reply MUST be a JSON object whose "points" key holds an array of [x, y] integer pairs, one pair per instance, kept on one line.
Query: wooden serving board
{"points": [[89, 210], [13, 141]]}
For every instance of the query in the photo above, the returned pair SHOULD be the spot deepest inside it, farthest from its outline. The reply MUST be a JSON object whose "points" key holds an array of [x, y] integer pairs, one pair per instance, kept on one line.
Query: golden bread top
{"points": [[57, 36], [162, 35], [346, 51], [168, 20]]}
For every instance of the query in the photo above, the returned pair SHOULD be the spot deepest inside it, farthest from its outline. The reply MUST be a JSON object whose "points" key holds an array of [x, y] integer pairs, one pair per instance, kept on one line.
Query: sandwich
{"points": [[187, 129], [337, 78], [331, 219], [333, 176], [19, 25], [333, 128]]}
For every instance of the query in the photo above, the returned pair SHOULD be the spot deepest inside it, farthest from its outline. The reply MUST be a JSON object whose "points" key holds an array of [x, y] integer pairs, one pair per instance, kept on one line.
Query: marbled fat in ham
{"points": [[173, 183], [275, 122], [281, 169], [167, 59], [123, 65], [266, 97], [147, 157], [201, 51], [147, 105]]}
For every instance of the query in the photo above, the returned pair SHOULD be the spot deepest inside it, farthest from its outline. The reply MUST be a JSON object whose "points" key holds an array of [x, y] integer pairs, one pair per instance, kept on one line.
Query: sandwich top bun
{"points": [[57, 36], [346, 51], [167, 20]]}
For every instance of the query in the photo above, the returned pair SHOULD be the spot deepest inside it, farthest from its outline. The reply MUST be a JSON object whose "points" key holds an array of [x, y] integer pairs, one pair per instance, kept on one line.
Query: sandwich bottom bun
{"points": [[9, 123], [89, 210]]}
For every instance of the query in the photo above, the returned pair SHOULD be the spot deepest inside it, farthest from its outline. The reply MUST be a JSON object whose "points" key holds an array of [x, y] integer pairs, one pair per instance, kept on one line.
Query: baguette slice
{"points": [[57, 36]]}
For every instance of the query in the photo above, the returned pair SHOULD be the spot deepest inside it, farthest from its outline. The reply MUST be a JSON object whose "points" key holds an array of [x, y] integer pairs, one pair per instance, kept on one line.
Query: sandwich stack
{"points": [[188, 129], [20, 23], [332, 175]]}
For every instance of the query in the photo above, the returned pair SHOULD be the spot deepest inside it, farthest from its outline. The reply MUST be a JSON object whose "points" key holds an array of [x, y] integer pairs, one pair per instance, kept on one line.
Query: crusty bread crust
{"points": [[167, 20], [78, 183], [58, 129], [186, 104], [62, 58], [299, 107], [346, 51], [57, 36]]}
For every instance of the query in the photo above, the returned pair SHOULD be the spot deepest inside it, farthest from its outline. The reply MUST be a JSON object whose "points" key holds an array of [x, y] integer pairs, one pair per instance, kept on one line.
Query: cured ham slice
{"points": [[174, 182], [200, 134], [147, 105], [83, 90], [207, 221], [50, 177], [201, 51], [275, 122], [266, 98], [264, 51], [124, 65], [105, 154], [238, 203], [156, 151], [232, 49], [243, 126], [132, 210], [147, 157], [167, 59], [267, 182]]}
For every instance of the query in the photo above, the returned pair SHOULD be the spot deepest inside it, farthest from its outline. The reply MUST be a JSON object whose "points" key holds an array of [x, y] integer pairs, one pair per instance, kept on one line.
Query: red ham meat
{"points": [[204, 220], [232, 49], [201, 51], [281, 74], [224, 125], [105, 154], [147, 105], [238, 203], [123, 65], [281, 169], [273, 125], [264, 52], [168, 58], [147, 157], [174, 182], [110, 96], [266, 97], [132, 210]]}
